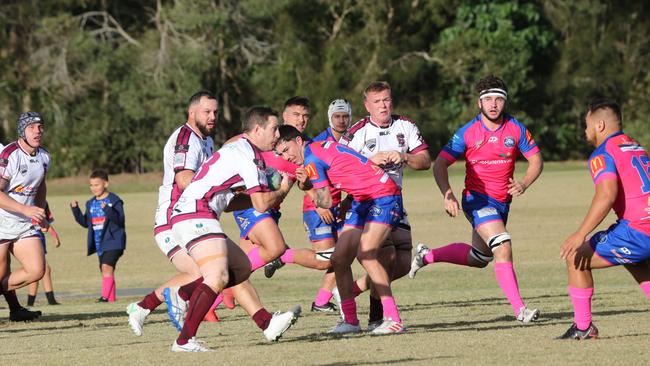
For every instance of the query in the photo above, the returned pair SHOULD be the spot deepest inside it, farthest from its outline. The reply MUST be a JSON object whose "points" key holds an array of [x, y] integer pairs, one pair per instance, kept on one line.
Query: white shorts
{"points": [[11, 230], [167, 243], [190, 232]]}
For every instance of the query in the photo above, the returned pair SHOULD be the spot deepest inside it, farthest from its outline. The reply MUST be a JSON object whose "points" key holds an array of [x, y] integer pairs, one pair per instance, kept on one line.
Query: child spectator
{"points": [[47, 278], [104, 218]]}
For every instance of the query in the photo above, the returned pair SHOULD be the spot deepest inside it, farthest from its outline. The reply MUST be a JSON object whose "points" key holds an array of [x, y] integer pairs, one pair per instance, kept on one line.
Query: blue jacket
{"points": [[114, 233]]}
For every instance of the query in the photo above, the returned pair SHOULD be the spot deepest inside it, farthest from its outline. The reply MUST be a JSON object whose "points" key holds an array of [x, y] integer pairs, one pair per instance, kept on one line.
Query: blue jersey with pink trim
{"points": [[621, 158], [307, 203], [330, 163], [490, 155]]}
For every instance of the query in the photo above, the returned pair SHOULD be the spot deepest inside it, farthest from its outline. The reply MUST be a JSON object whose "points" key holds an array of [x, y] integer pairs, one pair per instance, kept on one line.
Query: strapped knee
{"points": [[495, 241], [480, 256], [325, 254]]}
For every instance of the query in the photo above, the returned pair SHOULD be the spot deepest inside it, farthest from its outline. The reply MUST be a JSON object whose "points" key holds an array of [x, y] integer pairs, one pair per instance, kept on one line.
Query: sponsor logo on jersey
{"points": [[509, 141], [631, 146], [384, 133], [597, 165], [179, 160], [401, 140], [312, 172], [22, 169], [371, 144], [181, 148], [243, 222], [493, 139]]}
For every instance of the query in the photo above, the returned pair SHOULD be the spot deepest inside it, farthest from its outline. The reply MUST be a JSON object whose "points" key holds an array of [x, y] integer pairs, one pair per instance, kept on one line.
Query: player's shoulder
{"points": [[403, 120], [9, 150], [356, 127], [473, 123]]}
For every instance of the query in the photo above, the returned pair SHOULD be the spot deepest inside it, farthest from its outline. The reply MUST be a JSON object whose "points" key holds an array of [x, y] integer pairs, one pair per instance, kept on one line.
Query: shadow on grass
{"points": [[382, 362]]}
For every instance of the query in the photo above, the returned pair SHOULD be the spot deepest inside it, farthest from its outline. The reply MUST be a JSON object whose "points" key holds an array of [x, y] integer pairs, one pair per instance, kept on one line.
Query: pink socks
{"points": [[256, 261], [323, 297], [108, 288], [507, 280], [455, 253], [390, 309], [287, 257], [645, 286], [581, 299]]}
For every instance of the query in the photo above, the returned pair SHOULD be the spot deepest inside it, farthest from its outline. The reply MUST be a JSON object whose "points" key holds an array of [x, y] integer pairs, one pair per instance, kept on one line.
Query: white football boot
{"points": [[418, 259], [192, 345], [527, 315], [280, 323], [389, 326], [137, 315]]}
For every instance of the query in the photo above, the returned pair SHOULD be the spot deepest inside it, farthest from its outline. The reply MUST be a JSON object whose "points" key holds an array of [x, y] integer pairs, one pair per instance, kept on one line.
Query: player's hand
{"points": [[45, 226], [394, 157], [326, 215], [285, 183], [301, 175], [516, 188], [344, 207], [380, 158], [74, 204], [35, 213], [452, 207], [571, 245], [57, 241]]}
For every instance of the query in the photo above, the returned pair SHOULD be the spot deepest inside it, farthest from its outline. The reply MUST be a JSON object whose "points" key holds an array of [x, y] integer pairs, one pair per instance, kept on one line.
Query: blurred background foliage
{"points": [[112, 78]]}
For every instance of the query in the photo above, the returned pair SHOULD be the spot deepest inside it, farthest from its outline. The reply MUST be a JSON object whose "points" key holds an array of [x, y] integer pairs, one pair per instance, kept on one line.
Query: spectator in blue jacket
{"points": [[104, 218]]}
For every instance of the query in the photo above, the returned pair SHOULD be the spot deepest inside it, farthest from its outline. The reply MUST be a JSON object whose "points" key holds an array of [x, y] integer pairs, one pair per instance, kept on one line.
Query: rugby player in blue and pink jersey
{"points": [[490, 144], [375, 211], [620, 169]]}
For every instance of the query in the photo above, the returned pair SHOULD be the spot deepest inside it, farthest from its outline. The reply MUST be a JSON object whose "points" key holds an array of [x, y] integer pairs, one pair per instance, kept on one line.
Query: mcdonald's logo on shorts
{"points": [[597, 165]]}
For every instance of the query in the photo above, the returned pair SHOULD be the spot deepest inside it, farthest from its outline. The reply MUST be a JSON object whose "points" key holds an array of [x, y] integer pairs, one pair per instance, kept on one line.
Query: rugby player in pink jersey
{"points": [[322, 225], [393, 142], [375, 211], [620, 169], [490, 144], [23, 166]]}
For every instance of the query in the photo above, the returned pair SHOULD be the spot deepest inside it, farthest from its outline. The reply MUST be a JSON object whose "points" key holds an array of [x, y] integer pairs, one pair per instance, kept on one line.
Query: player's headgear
{"points": [[339, 105], [25, 119], [493, 92]]}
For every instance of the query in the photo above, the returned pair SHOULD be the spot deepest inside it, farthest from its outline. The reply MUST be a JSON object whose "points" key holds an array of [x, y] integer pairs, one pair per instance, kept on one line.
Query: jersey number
{"points": [[642, 166]]}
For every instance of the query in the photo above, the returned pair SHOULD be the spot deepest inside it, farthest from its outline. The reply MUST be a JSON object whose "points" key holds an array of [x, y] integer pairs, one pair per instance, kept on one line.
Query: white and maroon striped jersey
{"points": [[184, 150], [238, 164], [25, 173], [401, 135]]}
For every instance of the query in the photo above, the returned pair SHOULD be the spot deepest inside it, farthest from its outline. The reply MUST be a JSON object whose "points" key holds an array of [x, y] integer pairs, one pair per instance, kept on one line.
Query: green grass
{"points": [[455, 315]]}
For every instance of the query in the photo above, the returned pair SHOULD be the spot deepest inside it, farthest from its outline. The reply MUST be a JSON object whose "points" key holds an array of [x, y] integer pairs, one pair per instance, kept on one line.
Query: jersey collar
{"points": [[505, 120], [390, 123]]}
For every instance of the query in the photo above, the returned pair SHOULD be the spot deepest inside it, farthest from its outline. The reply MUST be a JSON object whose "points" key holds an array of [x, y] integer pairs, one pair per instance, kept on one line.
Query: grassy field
{"points": [[454, 315]]}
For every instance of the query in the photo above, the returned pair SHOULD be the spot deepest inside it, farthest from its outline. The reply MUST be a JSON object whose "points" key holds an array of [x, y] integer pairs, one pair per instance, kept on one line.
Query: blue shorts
{"points": [[620, 244], [317, 229], [41, 236], [480, 208], [386, 210], [247, 219]]}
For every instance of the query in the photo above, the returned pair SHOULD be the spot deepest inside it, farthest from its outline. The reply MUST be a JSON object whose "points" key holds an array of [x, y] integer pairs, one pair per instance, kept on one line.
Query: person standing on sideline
{"points": [[620, 169], [490, 144], [104, 218]]}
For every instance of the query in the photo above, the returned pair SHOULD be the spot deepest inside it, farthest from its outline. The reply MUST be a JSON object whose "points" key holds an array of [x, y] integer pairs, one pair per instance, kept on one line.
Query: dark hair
{"points": [[196, 97], [99, 173], [605, 103], [288, 133], [257, 116], [297, 100], [491, 82], [375, 87]]}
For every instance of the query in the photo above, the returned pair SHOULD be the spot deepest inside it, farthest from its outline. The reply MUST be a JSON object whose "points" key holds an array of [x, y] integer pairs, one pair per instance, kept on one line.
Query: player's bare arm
{"points": [[324, 213], [601, 204], [9, 204], [535, 167], [263, 201], [183, 178], [418, 161], [323, 197], [441, 174]]}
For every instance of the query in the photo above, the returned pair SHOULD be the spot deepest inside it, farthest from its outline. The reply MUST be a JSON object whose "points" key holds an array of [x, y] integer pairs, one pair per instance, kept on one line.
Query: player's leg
{"points": [[346, 250], [324, 249], [641, 273], [29, 253], [108, 278]]}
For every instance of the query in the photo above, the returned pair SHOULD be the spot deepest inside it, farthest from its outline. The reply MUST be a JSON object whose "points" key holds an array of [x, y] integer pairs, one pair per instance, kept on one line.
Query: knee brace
{"points": [[495, 241], [480, 256], [325, 254]]}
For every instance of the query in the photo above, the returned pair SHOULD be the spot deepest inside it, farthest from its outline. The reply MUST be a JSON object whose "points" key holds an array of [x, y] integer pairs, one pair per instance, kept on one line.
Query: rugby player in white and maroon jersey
{"points": [[23, 166], [186, 149], [196, 226], [392, 142]]}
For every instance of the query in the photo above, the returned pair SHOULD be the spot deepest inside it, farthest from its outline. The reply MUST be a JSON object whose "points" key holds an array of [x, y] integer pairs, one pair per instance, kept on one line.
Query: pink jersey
{"points": [[307, 203], [276, 162], [330, 163], [490, 155], [624, 160]]}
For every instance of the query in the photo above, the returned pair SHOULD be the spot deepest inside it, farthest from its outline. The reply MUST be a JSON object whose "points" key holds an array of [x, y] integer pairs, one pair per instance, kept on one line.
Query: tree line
{"points": [[112, 78]]}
